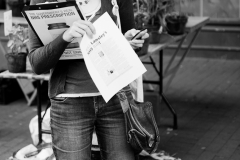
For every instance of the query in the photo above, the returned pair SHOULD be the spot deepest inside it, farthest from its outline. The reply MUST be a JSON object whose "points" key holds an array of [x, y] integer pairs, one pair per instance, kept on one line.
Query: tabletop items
{"points": [[175, 23]]}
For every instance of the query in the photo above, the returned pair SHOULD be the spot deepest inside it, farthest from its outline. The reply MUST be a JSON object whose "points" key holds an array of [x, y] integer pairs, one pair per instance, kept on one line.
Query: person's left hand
{"points": [[136, 43]]}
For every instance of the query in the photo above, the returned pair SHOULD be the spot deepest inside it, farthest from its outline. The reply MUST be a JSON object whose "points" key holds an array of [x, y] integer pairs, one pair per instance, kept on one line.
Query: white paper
{"points": [[41, 21], [110, 60], [7, 22]]}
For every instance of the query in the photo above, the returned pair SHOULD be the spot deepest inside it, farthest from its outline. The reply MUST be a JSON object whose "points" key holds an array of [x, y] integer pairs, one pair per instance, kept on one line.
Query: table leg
{"points": [[39, 110], [174, 55], [175, 69], [160, 84], [175, 125]]}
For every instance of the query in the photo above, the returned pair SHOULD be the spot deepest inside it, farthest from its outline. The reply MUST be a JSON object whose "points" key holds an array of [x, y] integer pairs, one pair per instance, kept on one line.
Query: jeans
{"points": [[73, 121]]}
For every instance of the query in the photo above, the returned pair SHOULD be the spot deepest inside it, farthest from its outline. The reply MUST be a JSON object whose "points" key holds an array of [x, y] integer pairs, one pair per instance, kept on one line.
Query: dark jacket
{"points": [[70, 76]]}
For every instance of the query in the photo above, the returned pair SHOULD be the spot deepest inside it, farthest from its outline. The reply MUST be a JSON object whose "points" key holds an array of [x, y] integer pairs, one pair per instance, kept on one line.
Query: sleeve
{"points": [[126, 15], [43, 58]]}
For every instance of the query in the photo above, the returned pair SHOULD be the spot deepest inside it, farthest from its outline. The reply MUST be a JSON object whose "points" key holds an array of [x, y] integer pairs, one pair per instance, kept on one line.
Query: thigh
{"points": [[72, 121], [110, 130]]}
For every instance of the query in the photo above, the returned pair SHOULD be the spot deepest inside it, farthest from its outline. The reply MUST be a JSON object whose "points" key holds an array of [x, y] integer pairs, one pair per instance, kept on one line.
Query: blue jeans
{"points": [[73, 121]]}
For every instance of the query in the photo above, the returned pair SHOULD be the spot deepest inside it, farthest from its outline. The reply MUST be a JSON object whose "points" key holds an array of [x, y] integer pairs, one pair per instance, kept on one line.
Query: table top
{"points": [[25, 75], [164, 42], [193, 24], [16, 20]]}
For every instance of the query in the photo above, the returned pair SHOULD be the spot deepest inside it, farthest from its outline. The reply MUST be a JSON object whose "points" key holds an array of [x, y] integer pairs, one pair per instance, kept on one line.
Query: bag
{"points": [[141, 127], [31, 152]]}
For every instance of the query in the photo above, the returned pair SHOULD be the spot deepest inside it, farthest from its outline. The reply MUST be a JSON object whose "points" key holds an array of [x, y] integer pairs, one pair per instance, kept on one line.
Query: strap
{"points": [[123, 100], [115, 12]]}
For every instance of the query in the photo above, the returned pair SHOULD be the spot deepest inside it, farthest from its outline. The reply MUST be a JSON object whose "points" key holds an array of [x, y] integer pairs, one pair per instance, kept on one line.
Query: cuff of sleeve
{"points": [[59, 42], [61, 38]]}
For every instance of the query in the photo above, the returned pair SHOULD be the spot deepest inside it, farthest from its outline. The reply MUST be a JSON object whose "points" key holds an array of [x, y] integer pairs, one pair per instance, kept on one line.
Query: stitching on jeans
{"points": [[69, 151]]}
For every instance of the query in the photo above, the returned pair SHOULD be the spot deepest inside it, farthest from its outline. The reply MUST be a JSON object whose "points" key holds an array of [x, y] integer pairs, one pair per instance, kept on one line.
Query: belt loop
{"points": [[95, 104]]}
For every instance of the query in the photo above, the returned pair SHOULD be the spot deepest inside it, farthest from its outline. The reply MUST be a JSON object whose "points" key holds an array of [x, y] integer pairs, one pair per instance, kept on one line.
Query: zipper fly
{"points": [[95, 104]]}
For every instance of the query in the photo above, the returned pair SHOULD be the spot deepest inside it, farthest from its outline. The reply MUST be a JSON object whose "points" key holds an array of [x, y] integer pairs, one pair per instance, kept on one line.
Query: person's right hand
{"points": [[78, 29]]}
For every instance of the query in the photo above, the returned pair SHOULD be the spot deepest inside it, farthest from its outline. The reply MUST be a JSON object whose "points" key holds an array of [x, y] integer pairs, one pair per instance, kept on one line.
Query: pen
{"points": [[138, 33]]}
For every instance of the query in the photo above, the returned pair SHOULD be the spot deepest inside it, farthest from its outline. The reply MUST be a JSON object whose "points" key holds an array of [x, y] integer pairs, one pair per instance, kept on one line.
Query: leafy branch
{"points": [[18, 39]]}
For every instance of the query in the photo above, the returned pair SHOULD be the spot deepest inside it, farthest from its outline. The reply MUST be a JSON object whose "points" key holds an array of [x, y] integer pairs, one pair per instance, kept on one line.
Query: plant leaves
{"points": [[18, 39], [10, 43]]}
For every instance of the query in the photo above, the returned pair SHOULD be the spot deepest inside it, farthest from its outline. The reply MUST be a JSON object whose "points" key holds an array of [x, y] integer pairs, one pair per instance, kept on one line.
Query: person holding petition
{"points": [[77, 107]]}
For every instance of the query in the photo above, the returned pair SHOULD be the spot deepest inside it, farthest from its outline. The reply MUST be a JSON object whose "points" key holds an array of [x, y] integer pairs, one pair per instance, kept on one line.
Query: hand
{"points": [[136, 43], [78, 29]]}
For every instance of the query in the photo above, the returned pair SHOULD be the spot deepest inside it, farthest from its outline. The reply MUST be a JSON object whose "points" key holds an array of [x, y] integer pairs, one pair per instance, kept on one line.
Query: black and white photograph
{"points": [[119, 80]]}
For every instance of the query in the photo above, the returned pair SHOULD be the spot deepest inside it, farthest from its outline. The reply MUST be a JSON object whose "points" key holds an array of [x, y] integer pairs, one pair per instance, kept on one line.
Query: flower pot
{"points": [[175, 24], [16, 63]]}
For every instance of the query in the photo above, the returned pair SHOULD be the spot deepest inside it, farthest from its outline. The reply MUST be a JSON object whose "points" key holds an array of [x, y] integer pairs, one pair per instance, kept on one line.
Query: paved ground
{"points": [[205, 94]]}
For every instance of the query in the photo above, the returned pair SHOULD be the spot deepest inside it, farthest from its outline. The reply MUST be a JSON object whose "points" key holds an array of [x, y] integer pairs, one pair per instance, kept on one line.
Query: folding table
{"points": [[38, 78], [193, 26]]}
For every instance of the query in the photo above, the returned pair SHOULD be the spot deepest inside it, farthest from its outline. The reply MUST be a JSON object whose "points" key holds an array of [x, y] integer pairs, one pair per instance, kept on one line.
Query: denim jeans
{"points": [[73, 121]]}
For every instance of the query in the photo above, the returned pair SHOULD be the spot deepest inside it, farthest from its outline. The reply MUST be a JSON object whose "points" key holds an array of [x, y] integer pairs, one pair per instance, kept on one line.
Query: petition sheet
{"points": [[49, 24], [111, 61]]}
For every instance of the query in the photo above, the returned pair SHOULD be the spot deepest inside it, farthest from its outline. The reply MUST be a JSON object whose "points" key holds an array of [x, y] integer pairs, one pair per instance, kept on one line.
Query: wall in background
{"points": [[220, 37], [229, 9]]}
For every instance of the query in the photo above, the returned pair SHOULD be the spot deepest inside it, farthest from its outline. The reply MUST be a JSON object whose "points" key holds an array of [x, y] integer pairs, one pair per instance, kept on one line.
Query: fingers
{"points": [[84, 27], [145, 36], [132, 32], [137, 41], [136, 45], [87, 26], [78, 29], [76, 32], [139, 34], [129, 34]]}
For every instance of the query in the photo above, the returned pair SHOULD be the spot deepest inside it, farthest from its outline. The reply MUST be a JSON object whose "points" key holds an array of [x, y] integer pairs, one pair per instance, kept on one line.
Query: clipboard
{"points": [[49, 20]]}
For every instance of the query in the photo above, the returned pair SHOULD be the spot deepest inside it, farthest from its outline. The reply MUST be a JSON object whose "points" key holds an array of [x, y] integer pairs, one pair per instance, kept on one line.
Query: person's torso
{"points": [[72, 76]]}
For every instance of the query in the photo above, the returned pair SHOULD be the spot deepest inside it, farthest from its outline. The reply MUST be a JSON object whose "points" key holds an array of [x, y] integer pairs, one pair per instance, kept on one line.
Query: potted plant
{"points": [[175, 23], [16, 58], [150, 14]]}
